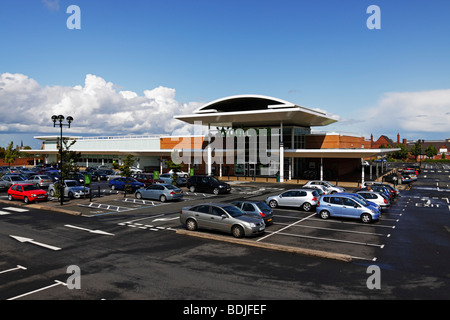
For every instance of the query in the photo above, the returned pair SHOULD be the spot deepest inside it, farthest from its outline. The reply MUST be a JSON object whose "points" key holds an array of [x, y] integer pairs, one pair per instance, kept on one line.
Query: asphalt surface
{"points": [[139, 251]]}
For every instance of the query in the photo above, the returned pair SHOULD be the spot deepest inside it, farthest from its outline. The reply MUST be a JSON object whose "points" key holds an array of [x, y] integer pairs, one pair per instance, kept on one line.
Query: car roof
{"points": [[213, 204]]}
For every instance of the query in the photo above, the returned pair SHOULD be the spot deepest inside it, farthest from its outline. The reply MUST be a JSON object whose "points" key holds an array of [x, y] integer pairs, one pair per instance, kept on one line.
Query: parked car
{"points": [[41, 180], [203, 183], [168, 178], [379, 188], [182, 174], [339, 205], [9, 179], [357, 195], [390, 189], [331, 187], [321, 189], [304, 198], [120, 183], [375, 197], [256, 208], [221, 217], [27, 192], [72, 189], [161, 192], [405, 178], [145, 178]]}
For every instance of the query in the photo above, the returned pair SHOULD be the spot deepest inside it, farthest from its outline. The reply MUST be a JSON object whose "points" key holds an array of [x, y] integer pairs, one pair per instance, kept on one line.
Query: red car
{"points": [[27, 193]]}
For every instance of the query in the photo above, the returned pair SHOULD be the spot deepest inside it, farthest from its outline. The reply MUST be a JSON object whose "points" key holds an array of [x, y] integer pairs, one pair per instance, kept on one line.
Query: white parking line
{"points": [[327, 239], [292, 224], [340, 230]]}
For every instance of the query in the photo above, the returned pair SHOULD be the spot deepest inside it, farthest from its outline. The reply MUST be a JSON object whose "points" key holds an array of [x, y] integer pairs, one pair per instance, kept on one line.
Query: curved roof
{"points": [[256, 110], [241, 103]]}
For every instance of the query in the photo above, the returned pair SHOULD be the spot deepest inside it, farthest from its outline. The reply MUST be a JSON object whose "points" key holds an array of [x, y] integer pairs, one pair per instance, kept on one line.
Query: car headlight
{"points": [[252, 225], [33, 195]]}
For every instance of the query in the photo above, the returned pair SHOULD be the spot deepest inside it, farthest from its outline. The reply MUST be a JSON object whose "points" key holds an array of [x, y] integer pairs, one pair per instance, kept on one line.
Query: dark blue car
{"points": [[119, 183]]}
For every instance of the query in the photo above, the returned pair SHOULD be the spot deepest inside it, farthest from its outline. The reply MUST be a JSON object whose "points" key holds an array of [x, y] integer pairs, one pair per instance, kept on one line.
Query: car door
{"points": [[350, 208], [335, 206], [203, 184], [149, 192], [202, 216], [18, 192], [287, 198], [218, 222]]}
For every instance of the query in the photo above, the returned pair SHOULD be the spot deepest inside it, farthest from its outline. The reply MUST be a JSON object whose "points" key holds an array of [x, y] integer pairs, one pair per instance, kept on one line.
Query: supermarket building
{"points": [[244, 135]]}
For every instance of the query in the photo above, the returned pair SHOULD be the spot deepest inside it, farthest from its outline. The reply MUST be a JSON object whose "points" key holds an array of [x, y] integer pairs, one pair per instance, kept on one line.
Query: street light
{"points": [[60, 120]]}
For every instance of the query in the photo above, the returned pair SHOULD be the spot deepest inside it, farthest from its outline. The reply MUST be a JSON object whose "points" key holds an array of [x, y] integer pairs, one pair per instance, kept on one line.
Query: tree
{"points": [[11, 154], [416, 150], [125, 170], [402, 153], [431, 151]]}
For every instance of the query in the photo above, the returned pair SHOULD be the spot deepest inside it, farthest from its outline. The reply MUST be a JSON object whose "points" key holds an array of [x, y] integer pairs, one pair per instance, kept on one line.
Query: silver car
{"points": [[331, 187], [72, 189], [161, 192], [304, 198], [221, 217], [41, 180], [375, 197], [256, 208], [9, 179]]}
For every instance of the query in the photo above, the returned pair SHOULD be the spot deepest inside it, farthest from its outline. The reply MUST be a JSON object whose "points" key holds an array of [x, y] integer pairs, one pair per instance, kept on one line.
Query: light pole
{"points": [[60, 120]]}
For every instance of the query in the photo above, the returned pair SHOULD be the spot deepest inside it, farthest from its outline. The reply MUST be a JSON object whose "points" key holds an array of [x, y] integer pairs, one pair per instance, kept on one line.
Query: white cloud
{"points": [[422, 114], [97, 107], [52, 5]]}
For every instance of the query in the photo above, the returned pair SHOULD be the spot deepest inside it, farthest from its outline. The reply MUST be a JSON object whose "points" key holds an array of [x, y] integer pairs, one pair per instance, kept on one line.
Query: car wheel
{"points": [[138, 195], [237, 231], [10, 198], [306, 206], [191, 225], [324, 214], [192, 189], [162, 198], [52, 193], [273, 204], [113, 187], [26, 200], [366, 218], [70, 195], [216, 191]]}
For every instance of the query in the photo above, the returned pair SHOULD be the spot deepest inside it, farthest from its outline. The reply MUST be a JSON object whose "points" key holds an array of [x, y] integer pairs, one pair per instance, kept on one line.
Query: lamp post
{"points": [[60, 119]]}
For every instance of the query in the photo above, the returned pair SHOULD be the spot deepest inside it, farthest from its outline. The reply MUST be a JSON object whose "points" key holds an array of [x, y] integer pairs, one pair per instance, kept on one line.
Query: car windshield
{"points": [[17, 178], [73, 184], [263, 207], [215, 179], [30, 187], [234, 211], [361, 201]]}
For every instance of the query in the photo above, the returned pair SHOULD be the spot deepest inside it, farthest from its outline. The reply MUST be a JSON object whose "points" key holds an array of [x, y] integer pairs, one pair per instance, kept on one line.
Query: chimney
{"points": [[398, 137], [404, 142]]}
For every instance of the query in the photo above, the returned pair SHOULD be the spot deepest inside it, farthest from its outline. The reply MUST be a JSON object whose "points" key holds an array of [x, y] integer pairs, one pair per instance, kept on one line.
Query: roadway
{"points": [[135, 250]]}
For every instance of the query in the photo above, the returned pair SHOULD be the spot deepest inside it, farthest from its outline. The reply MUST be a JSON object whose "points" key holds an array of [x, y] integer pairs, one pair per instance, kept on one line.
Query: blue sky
{"points": [[169, 57]]}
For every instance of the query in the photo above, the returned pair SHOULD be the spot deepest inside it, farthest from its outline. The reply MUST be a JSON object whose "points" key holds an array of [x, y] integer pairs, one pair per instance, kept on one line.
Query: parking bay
{"points": [[292, 227]]}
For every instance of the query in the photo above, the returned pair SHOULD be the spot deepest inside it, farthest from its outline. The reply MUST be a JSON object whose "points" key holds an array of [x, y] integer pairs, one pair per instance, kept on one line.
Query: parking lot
{"points": [[291, 228]]}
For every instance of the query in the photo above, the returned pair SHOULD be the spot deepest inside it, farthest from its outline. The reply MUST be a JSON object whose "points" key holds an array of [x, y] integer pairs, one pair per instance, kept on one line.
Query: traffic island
{"points": [[270, 246]]}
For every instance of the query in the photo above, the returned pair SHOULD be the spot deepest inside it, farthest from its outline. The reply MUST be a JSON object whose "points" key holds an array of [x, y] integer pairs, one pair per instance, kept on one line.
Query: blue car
{"points": [[119, 183], [375, 206], [346, 206]]}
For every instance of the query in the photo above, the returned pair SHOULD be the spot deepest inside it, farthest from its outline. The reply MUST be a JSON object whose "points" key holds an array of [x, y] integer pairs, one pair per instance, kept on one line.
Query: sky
{"points": [[135, 64]]}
